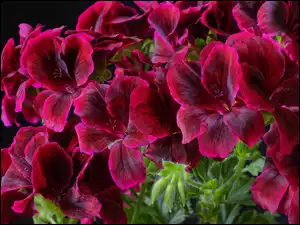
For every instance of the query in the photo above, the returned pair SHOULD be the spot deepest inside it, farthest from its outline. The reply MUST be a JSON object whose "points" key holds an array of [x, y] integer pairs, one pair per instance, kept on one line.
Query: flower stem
{"points": [[194, 184], [139, 202]]}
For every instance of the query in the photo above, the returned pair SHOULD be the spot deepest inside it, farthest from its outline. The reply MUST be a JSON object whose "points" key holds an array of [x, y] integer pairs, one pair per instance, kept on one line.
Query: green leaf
{"points": [[255, 167], [169, 196], [199, 42], [268, 118], [233, 214], [177, 218], [240, 192]]}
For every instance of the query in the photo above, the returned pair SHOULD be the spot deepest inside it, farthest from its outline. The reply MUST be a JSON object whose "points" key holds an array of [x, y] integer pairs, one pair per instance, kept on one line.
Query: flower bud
{"points": [[158, 188]]}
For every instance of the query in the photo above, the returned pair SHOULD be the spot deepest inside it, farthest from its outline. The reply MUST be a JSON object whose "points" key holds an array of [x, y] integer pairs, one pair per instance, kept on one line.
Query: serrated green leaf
{"points": [[255, 167]]}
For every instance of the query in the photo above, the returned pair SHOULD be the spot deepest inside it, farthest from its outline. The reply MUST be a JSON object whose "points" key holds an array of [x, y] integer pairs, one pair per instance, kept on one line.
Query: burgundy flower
{"points": [[208, 107], [104, 112], [110, 18], [61, 66]]}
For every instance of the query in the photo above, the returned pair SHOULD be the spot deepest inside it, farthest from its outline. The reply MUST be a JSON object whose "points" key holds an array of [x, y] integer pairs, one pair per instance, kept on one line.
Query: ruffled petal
{"points": [[5, 161], [293, 215], [216, 140], [56, 110], [126, 166], [8, 114], [146, 5], [163, 50], [221, 73], [92, 140], [40, 99], [118, 94], [51, 170], [36, 141], [21, 94], [246, 124], [206, 51]]}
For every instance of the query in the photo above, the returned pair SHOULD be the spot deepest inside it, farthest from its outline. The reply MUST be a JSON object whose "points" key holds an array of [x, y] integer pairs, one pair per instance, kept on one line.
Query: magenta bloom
{"points": [[61, 66]]}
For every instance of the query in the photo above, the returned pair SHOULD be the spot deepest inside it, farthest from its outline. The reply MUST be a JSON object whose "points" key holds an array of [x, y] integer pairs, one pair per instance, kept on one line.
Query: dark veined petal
{"points": [[78, 57], [246, 124], [126, 166], [216, 140], [91, 108], [287, 94], [146, 5], [21, 94], [93, 140], [39, 100], [8, 114], [79, 206], [293, 215], [148, 113], [163, 50], [112, 213], [164, 18], [288, 126], [9, 59], [206, 51], [118, 94], [184, 82], [191, 121], [51, 169], [56, 110], [221, 73], [269, 188], [271, 138], [5, 161], [11, 83]]}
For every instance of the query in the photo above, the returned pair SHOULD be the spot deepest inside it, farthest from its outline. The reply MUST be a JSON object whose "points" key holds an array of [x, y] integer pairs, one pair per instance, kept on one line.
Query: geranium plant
{"points": [[155, 114]]}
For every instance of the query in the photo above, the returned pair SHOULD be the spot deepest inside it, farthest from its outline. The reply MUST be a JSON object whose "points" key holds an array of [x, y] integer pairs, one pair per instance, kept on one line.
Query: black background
{"points": [[51, 15]]}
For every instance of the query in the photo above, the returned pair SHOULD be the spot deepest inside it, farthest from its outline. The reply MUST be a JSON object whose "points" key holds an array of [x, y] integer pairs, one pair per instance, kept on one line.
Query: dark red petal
{"points": [[8, 115], [7, 200], [221, 73], [217, 140], [5, 161], [160, 150], [11, 83], [187, 154], [262, 53], [23, 205], [269, 188], [206, 51], [293, 214], [42, 59], [288, 125], [79, 206], [21, 94], [245, 13], [92, 17], [95, 176], [17, 149], [91, 108], [271, 138], [13, 179], [39, 100], [112, 213], [29, 113], [51, 169], [36, 141], [148, 113], [252, 89], [271, 18], [126, 166], [184, 81], [24, 31], [9, 60], [78, 57], [190, 121], [135, 138], [246, 124], [146, 5], [92, 140], [163, 50], [164, 18], [118, 94], [56, 110], [287, 94]]}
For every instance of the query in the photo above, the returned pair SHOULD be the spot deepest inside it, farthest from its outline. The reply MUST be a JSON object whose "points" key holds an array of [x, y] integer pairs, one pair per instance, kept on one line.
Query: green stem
{"points": [[194, 184], [139, 202]]}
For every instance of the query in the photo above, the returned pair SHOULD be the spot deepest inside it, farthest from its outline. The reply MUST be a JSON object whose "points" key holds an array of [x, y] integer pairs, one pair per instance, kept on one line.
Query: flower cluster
{"points": [[167, 82]]}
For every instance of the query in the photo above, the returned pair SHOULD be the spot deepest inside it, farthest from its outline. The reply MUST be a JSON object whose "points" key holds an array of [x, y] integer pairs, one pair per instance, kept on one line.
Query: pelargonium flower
{"points": [[209, 108], [61, 65], [45, 167], [104, 112], [110, 18]]}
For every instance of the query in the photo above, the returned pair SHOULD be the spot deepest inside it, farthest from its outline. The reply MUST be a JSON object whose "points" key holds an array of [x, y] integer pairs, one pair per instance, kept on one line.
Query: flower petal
{"points": [[149, 113], [56, 110], [112, 213], [9, 59], [21, 205], [36, 141], [146, 5], [217, 140], [92, 140], [5, 161], [288, 125], [206, 51], [79, 206], [51, 169], [246, 124], [118, 94], [11, 84], [294, 209], [269, 188], [190, 121], [126, 166], [40, 99], [221, 73], [21, 94], [164, 18], [163, 50], [8, 114]]}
